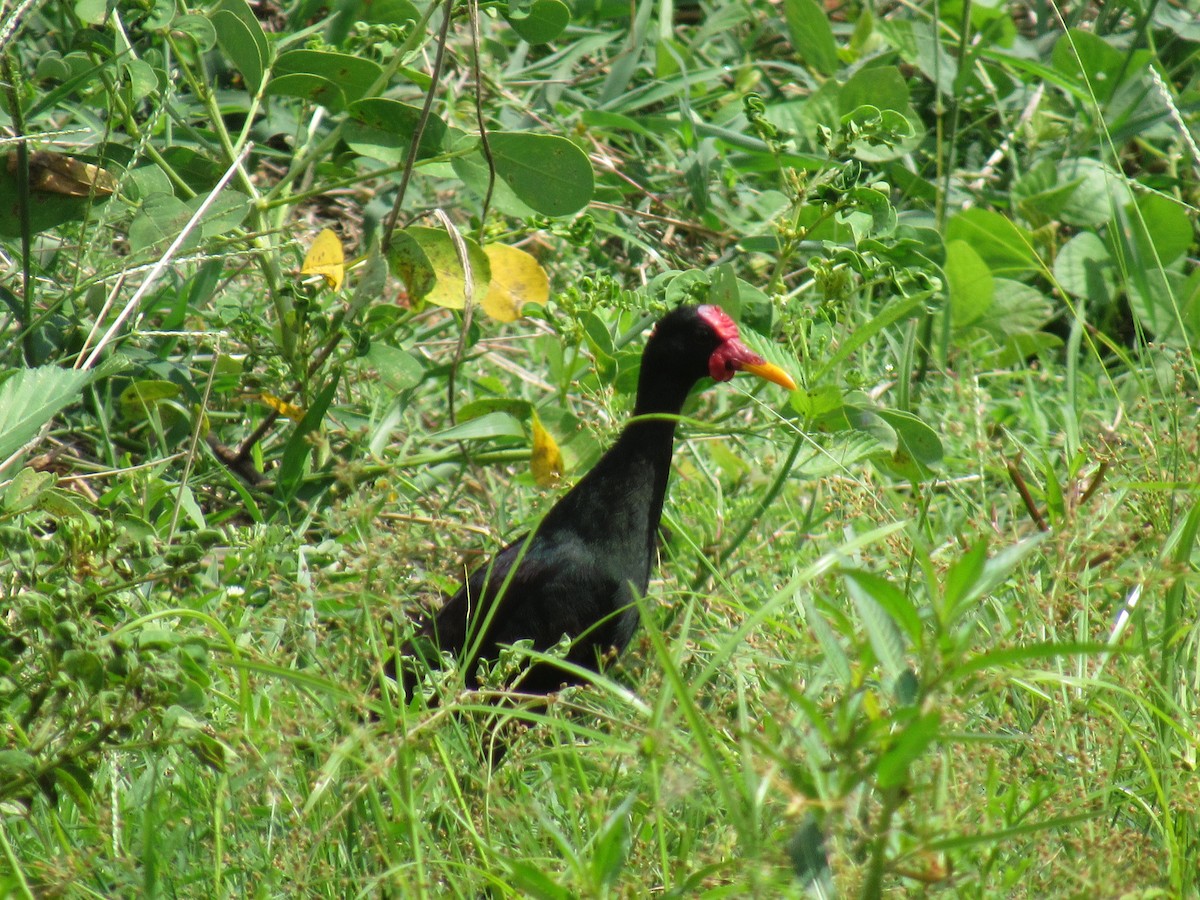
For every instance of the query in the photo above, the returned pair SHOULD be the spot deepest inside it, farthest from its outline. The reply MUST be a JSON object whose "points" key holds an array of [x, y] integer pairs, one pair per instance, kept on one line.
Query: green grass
{"points": [[927, 627]]}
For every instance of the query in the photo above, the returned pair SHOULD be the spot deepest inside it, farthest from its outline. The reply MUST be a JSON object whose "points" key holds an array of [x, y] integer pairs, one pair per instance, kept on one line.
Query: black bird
{"points": [[580, 570]]}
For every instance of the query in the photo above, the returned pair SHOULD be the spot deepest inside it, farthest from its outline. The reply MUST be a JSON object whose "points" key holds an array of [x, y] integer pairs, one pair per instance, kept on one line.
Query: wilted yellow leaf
{"points": [[291, 410], [517, 279], [54, 173], [325, 258], [546, 463]]}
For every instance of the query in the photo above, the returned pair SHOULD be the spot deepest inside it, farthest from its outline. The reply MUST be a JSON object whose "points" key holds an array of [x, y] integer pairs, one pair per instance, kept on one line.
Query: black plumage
{"points": [[579, 572]]}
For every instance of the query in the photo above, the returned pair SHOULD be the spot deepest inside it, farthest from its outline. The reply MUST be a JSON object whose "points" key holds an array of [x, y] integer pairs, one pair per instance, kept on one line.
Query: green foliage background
{"points": [[928, 625]]}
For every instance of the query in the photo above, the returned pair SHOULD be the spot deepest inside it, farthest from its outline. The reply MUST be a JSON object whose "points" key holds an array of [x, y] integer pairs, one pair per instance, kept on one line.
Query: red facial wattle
{"points": [[732, 356]]}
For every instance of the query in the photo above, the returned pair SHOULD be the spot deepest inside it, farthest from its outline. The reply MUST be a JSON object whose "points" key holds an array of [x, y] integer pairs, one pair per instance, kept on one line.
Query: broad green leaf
{"points": [[1084, 269], [538, 21], [969, 283], [1156, 231], [354, 76], [382, 129], [1099, 193], [32, 397], [159, 221], [242, 41], [915, 440], [546, 171], [811, 35], [1006, 247], [308, 87], [397, 368], [199, 28], [1091, 61], [27, 486], [223, 215]]}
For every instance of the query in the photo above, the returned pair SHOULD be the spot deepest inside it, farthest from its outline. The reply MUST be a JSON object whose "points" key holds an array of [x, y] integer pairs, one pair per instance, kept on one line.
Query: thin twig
{"points": [[1014, 472], [411, 160]]}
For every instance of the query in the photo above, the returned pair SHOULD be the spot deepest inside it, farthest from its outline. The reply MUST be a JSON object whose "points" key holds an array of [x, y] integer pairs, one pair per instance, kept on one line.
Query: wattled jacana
{"points": [[581, 569]]}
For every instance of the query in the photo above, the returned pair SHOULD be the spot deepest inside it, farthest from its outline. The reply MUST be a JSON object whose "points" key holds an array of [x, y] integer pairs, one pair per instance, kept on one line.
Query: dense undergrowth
{"points": [[926, 626]]}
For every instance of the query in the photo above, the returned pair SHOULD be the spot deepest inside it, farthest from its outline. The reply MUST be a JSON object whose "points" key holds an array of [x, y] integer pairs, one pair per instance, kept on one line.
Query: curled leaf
{"points": [[291, 410], [546, 462], [54, 173]]}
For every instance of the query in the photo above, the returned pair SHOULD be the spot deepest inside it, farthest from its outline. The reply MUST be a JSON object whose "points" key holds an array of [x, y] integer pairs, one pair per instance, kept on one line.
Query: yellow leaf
{"points": [[517, 279], [325, 258], [291, 410], [546, 463]]}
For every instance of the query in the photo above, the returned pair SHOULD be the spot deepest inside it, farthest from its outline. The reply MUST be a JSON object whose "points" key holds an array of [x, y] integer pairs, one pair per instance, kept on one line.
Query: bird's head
{"points": [[706, 338]]}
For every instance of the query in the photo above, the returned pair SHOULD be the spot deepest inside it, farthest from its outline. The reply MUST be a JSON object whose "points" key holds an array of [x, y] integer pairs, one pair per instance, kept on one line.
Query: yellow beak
{"points": [[770, 372]]}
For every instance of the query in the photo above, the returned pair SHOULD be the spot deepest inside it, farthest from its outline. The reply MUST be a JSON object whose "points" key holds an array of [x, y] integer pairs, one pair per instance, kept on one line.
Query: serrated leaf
{"points": [[31, 398]]}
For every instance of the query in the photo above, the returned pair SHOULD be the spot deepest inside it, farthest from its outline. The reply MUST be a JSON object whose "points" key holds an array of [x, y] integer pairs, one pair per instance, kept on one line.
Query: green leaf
{"points": [[26, 488], [1155, 231], [1084, 269], [964, 574], [532, 882], [398, 370], [353, 76], [242, 41], [878, 621], [538, 21], [915, 441], [895, 602], [485, 427], [199, 28], [546, 171], [1099, 193], [159, 221], [969, 283], [138, 398], [16, 762], [1090, 61], [1006, 247], [382, 129], [811, 35], [297, 449], [310, 87], [995, 571], [32, 397], [914, 740]]}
